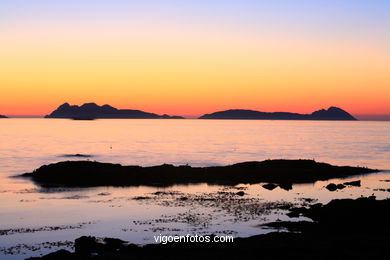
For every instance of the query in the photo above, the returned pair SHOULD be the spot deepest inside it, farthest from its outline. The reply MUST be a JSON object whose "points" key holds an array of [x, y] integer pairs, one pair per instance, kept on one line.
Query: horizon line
{"points": [[360, 117]]}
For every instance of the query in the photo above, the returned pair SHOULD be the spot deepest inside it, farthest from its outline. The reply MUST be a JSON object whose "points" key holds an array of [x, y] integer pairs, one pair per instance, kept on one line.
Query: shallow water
{"points": [[59, 215]]}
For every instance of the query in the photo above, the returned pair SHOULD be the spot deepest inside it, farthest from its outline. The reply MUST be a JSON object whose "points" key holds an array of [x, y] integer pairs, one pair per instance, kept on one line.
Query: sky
{"points": [[190, 57]]}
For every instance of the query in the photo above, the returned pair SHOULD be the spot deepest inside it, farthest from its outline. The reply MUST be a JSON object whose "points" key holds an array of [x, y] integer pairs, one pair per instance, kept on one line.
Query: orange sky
{"points": [[188, 67]]}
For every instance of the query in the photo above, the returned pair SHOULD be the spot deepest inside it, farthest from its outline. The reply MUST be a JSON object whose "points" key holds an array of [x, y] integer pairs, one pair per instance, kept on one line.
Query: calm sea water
{"points": [[57, 215]]}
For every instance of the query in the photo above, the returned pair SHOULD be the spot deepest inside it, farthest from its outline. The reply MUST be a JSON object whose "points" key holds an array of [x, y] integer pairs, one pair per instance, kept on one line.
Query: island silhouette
{"points": [[90, 111], [1, 116], [332, 113]]}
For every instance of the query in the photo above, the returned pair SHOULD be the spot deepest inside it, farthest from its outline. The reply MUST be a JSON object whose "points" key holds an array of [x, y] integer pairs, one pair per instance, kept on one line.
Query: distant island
{"points": [[332, 113], [1, 116], [90, 111]]}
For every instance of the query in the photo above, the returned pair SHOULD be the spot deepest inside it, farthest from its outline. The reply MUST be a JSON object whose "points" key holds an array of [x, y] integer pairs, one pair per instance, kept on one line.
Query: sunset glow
{"points": [[195, 57]]}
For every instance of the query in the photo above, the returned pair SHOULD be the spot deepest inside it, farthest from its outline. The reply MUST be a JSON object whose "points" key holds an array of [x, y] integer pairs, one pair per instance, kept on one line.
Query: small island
{"points": [[282, 172], [90, 111], [332, 113], [1, 116]]}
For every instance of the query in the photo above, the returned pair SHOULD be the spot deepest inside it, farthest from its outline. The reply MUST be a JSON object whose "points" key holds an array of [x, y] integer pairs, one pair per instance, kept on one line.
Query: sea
{"points": [[36, 220]]}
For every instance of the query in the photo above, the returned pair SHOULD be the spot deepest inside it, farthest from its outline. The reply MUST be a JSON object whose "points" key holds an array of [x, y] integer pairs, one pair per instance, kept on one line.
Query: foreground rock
{"points": [[284, 186], [270, 186], [360, 216], [342, 229], [88, 173], [334, 187], [353, 183]]}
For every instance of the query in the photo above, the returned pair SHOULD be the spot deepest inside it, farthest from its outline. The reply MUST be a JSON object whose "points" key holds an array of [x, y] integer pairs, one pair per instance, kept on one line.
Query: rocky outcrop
{"points": [[281, 172]]}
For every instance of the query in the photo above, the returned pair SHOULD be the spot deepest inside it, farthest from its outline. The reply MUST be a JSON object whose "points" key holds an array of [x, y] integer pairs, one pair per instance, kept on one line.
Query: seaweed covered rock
{"points": [[278, 172]]}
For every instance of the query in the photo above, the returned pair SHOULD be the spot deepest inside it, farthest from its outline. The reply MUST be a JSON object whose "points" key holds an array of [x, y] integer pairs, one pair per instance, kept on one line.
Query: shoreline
{"points": [[343, 229]]}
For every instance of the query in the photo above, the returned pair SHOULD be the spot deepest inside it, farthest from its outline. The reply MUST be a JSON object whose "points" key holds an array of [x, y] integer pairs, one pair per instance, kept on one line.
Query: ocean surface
{"points": [[36, 220]]}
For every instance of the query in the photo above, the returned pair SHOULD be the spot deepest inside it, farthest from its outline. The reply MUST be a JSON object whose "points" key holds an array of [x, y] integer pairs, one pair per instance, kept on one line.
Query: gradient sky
{"points": [[190, 57]]}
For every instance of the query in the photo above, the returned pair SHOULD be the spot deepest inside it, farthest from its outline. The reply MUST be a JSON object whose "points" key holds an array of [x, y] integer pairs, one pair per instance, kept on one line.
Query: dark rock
{"points": [[353, 183], [183, 198], [141, 198], [345, 216], [285, 186], [104, 194], [77, 155], [87, 245], [269, 186], [113, 244], [340, 186], [92, 173], [240, 193], [308, 200], [331, 187]]}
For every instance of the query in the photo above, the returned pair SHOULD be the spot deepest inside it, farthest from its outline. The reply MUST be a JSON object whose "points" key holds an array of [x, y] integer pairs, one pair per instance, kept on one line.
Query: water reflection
{"points": [[31, 216]]}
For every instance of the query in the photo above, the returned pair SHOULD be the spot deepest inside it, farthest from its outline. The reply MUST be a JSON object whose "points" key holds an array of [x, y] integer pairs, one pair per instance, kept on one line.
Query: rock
{"points": [[286, 186], [353, 183], [340, 186], [87, 245], [141, 198], [78, 155], [270, 186], [240, 193], [92, 173], [113, 244], [331, 187]]}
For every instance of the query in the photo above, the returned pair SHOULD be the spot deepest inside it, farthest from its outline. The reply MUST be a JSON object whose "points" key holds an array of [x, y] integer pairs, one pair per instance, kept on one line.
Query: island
{"points": [[1, 116], [281, 172], [90, 111], [332, 113]]}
